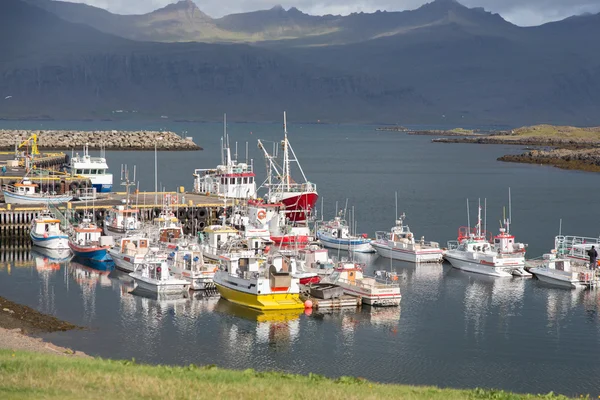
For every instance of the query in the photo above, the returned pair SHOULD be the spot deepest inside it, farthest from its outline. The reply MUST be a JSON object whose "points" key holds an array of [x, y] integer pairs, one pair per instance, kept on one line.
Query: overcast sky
{"points": [[520, 12]]}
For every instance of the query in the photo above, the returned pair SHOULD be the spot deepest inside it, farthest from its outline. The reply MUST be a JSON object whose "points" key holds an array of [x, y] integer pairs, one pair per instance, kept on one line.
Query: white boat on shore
{"points": [[400, 244], [24, 193], [335, 234], [474, 252], [561, 271], [382, 290], [153, 275], [45, 232]]}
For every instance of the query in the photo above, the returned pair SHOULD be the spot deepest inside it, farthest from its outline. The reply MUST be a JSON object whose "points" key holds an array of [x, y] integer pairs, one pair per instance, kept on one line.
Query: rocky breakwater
{"points": [[109, 140], [578, 159]]}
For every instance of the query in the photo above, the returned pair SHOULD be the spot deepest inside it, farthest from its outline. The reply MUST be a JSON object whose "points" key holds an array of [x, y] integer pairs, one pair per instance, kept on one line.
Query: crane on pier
{"points": [[33, 141]]}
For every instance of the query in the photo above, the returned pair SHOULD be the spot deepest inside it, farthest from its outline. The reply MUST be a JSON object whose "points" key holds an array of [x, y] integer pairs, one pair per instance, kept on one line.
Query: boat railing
{"points": [[370, 283], [453, 244]]}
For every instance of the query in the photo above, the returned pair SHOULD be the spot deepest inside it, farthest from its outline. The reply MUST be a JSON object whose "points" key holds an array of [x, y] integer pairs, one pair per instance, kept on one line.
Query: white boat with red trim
{"points": [[122, 221], [130, 251], [315, 259], [24, 192], [231, 179], [400, 244], [299, 198], [382, 290], [335, 234], [474, 252]]}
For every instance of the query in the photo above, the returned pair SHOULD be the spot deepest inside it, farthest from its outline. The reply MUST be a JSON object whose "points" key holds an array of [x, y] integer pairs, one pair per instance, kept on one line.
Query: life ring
{"points": [[262, 214]]}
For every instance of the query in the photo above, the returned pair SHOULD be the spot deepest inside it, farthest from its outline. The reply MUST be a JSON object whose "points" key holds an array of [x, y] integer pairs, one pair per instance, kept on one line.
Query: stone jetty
{"points": [[110, 140]]}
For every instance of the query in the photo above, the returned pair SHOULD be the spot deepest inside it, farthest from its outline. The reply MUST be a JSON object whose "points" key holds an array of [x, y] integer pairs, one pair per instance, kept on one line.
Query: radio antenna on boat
{"points": [[396, 193], [468, 217], [509, 213], [485, 216], [560, 227]]}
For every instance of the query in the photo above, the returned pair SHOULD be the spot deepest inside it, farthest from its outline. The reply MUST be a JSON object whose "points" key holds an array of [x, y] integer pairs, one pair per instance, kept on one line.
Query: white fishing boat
{"points": [[249, 282], [474, 252], [129, 252], [231, 179], [24, 192], [45, 232], [167, 225], [121, 221], [576, 247], [400, 244], [93, 168], [558, 270], [153, 275], [335, 234], [382, 290], [186, 262], [216, 240], [87, 242], [299, 198], [315, 259]]}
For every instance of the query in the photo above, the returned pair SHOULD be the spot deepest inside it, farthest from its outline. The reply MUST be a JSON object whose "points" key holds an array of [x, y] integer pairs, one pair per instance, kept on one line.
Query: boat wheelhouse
{"points": [[400, 244], [86, 241], [129, 252], [186, 262], [314, 258], [557, 270], [153, 275], [121, 221], [93, 168], [231, 179]]}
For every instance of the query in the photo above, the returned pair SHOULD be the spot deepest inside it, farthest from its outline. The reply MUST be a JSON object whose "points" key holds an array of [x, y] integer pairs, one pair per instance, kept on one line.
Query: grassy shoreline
{"points": [[25, 375]]}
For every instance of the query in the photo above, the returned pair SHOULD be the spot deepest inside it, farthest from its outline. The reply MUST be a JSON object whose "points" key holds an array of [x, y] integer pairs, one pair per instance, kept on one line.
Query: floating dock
{"points": [[344, 301]]}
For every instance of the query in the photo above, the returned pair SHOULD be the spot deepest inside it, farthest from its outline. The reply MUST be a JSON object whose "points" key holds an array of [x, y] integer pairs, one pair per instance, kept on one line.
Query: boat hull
{"points": [[299, 205], [57, 242], [123, 262], [150, 285], [12, 198], [359, 246], [102, 187], [477, 267], [263, 302], [427, 256], [556, 279], [95, 253], [289, 240]]}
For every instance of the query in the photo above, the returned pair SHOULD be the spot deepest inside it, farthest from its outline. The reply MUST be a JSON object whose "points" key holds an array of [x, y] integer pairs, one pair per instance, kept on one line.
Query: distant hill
{"points": [[54, 68], [442, 63]]}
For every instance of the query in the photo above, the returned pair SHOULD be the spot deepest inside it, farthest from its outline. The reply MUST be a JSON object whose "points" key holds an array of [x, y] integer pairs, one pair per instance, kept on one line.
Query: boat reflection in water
{"points": [[47, 263], [273, 327], [88, 278]]}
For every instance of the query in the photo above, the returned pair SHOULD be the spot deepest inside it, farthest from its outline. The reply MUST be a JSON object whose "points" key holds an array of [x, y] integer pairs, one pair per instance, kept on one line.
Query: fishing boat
{"points": [[576, 247], [121, 221], [400, 244], [93, 168], [169, 228], [219, 239], [557, 270], [299, 198], [153, 275], [186, 262], [129, 252], [335, 234], [24, 192], [45, 232], [382, 290], [249, 282], [314, 258], [231, 179], [474, 251], [86, 241]]}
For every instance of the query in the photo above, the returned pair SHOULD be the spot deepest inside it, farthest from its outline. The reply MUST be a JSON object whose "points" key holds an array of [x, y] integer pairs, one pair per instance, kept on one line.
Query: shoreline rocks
{"points": [[563, 143], [109, 140], [582, 160]]}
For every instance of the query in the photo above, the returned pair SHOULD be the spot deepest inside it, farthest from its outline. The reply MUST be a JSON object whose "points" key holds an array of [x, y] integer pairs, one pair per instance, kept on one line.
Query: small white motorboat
{"points": [[562, 271], [400, 244], [45, 232], [336, 234], [153, 275], [186, 262], [129, 252]]}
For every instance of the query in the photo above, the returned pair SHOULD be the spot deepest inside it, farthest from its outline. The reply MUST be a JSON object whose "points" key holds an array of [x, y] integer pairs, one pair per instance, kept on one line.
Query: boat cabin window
{"points": [[560, 265], [143, 243], [232, 181], [245, 180], [239, 181], [94, 171], [497, 241]]}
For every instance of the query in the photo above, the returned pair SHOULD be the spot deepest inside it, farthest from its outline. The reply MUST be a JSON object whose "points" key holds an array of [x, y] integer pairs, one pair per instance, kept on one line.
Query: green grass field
{"points": [[26, 375], [564, 132]]}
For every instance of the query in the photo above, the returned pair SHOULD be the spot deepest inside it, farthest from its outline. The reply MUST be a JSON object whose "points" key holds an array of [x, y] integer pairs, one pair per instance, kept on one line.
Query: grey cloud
{"points": [[520, 12]]}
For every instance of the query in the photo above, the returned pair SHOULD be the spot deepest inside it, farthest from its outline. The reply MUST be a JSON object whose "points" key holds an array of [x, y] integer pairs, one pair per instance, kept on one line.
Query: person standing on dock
{"points": [[593, 257]]}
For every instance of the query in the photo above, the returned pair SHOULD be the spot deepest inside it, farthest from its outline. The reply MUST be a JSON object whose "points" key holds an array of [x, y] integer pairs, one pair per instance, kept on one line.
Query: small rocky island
{"points": [[109, 140], [564, 147]]}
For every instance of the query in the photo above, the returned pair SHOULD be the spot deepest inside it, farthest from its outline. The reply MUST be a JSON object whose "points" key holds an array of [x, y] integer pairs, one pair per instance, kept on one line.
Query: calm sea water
{"points": [[453, 328]]}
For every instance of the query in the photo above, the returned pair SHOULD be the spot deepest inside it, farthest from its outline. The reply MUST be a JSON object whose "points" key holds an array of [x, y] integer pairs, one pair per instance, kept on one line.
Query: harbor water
{"points": [[453, 329]]}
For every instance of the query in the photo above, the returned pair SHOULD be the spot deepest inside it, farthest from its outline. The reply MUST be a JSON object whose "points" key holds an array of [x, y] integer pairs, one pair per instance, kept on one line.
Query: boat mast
{"points": [[286, 155], [479, 219], [468, 218], [509, 221]]}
